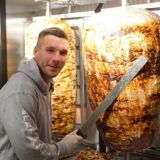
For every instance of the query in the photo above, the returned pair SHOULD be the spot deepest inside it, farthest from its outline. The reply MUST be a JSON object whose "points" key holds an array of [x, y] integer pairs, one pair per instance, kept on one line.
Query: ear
{"points": [[35, 51]]}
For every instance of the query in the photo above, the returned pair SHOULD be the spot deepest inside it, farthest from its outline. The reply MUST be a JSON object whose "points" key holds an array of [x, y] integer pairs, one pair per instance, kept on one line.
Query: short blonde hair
{"points": [[52, 31]]}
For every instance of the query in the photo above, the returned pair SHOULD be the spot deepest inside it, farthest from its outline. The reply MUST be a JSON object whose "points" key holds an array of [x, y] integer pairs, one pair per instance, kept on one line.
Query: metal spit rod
{"points": [[127, 156]]}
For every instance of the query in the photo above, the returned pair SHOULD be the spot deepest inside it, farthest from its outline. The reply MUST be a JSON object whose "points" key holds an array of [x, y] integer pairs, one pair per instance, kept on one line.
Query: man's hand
{"points": [[75, 143]]}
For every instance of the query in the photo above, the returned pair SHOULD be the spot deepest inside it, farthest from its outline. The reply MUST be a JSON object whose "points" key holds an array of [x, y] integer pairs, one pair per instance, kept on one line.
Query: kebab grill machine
{"points": [[112, 40]]}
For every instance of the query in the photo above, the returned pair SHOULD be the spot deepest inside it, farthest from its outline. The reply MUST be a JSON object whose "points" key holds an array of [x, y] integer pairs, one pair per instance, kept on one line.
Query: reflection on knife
{"points": [[113, 94]]}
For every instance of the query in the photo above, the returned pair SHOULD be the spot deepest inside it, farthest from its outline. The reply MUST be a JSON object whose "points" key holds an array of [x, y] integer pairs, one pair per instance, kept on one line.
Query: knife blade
{"points": [[113, 94]]}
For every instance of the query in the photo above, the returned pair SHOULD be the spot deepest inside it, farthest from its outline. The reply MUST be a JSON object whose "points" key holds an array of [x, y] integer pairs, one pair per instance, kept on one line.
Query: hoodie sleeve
{"points": [[20, 126]]}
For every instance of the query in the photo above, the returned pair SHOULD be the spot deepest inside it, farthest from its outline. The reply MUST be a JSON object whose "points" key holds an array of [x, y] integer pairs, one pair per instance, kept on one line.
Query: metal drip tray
{"points": [[147, 154]]}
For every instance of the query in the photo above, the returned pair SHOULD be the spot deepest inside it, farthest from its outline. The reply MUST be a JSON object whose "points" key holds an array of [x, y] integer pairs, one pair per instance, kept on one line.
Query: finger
{"points": [[88, 143], [73, 132]]}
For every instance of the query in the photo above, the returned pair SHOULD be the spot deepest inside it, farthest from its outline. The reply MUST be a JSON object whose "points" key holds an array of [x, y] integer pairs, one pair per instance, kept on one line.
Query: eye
{"points": [[50, 50], [63, 52]]}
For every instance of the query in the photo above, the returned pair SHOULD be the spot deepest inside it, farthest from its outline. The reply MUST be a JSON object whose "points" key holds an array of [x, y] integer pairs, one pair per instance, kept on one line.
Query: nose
{"points": [[56, 56]]}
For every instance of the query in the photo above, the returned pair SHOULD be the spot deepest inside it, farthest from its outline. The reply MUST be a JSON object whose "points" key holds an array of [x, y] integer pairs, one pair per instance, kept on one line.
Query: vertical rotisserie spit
{"points": [[111, 43], [65, 86]]}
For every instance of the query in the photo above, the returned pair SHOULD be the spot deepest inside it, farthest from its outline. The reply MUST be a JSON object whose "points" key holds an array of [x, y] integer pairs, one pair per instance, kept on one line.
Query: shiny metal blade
{"points": [[113, 94]]}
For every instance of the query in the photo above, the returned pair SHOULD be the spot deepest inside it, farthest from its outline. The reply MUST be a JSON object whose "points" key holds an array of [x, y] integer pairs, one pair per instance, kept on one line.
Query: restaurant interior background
{"points": [[16, 15]]}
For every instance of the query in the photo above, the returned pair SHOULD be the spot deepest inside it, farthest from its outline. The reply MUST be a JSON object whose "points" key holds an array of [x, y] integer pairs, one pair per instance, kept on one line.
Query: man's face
{"points": [[50, 54]]}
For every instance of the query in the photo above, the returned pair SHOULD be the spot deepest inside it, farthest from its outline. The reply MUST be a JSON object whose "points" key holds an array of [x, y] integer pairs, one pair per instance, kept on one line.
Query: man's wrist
{"points": [[62, 148], [58, 150]]}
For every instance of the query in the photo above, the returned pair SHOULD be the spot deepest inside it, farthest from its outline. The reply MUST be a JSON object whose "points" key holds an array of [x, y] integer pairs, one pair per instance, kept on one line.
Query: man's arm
{"points": [[22, 131]]}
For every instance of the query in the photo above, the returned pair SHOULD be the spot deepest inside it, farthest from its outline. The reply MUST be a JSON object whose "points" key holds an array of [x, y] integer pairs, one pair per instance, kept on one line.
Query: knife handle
{"points": [[81, 134]]}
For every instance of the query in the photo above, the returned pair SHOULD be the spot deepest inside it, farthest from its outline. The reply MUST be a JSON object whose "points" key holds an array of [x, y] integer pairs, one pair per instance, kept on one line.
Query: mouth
{"points": [[54, 68]]}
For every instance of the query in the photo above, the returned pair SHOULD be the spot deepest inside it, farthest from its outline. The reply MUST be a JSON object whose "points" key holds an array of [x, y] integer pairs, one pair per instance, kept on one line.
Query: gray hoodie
{"points": [[25, 117]]}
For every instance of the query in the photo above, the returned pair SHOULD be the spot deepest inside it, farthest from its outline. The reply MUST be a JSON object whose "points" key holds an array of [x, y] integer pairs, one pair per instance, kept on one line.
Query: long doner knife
{"points": [[113, 94]]}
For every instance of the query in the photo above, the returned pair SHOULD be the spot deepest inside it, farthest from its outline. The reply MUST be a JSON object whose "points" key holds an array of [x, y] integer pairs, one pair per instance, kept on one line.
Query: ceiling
{"points": [[38, 7], [21, 6]]}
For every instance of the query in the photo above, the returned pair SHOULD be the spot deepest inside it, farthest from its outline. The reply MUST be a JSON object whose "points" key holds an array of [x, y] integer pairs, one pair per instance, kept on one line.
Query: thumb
{"points": [[73, 132]]}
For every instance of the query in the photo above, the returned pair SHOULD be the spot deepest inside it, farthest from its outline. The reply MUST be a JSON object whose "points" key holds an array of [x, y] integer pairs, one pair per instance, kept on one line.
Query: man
{"points": [[25, 123]]}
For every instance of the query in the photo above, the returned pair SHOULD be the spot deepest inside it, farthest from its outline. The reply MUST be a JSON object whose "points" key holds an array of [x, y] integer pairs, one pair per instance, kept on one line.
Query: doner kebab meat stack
{"points": [[112, 41], [65, 89]]}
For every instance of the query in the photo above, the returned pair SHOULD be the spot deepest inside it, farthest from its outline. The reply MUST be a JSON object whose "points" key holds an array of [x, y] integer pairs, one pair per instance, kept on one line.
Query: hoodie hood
{"points": [[30, 68]]}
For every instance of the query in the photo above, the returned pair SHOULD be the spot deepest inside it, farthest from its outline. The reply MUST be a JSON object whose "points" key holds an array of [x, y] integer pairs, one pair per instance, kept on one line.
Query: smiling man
{"points": [[25, 109], [50, 53]]}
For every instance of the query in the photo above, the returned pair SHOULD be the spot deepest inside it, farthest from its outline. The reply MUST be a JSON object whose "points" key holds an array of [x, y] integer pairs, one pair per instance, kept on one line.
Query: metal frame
{"points": [[3, 50]]}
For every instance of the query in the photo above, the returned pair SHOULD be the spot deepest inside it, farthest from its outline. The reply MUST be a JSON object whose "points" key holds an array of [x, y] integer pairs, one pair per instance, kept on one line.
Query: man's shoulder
{"points": [[18, 83]]}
